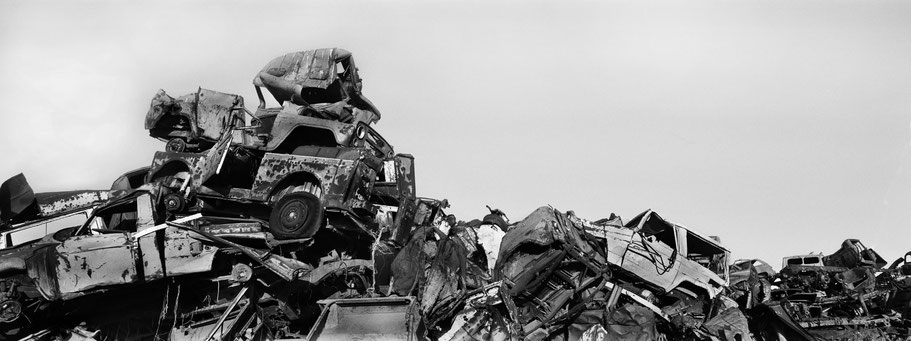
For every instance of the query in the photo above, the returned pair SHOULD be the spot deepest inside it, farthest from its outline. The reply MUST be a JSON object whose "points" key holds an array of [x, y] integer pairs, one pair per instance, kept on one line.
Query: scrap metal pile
{"points": [[301, 222]]}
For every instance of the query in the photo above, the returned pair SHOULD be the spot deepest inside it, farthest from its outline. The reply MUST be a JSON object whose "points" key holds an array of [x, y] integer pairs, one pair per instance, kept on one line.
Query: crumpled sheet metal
{"points": [[203, 115], [542, 227], [595, 333], [730, 324], [631, 322], [853, 254], [477, 321], [312, 69]]}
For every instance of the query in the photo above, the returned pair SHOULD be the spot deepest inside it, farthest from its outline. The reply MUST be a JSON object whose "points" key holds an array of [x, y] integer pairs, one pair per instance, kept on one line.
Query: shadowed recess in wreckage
{"points": [[301, 222]]}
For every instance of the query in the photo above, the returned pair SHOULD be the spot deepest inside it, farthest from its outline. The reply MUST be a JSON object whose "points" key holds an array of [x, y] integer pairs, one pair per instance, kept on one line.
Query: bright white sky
{"points": [[782, 126]]}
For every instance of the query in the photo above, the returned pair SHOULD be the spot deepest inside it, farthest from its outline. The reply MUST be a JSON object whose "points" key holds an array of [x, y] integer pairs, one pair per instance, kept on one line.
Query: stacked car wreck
{"points": [[301, 222]]}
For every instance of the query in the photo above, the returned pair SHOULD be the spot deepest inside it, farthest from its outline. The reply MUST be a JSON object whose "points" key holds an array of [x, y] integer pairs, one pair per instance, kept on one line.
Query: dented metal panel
{"points": [[203, 115], [181, 254], [336, 177], [216, 112], [182, 161], [313, 69], [277, 167], [87, 262]]}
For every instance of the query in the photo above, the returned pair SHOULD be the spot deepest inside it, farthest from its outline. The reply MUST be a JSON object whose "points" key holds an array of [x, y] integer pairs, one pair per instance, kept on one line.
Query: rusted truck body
{"points": [[194, 121], [322, 83], [666, 255], [328, 167]]}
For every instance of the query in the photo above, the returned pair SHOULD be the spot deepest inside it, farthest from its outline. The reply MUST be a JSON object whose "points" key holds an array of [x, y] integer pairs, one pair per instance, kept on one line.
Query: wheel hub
{"points": [[10, 310], [294, 215]]}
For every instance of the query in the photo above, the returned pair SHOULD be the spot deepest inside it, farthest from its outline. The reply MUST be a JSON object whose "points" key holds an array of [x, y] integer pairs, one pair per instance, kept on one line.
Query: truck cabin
{"points": [[321, 142], [282, 130], [703, 250], [802, 260]]}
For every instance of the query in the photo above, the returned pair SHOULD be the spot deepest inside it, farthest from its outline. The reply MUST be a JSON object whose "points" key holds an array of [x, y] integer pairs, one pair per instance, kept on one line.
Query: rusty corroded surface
{"points": [[180, 162], [183, 254], [318, 79], [88, 262], [203, 115], [91, 261], [277, 167], [72, 201]]}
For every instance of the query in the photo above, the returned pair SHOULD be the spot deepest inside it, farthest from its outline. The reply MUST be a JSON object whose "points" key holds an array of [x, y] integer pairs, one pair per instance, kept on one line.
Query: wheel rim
{"points": [[172, 203], [294, 214], [9, 311], [175, 145]]}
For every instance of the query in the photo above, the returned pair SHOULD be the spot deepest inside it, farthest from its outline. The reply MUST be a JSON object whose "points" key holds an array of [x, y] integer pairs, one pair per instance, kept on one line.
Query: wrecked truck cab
{"points": [[810, 259], [283, 129], [294, 190], [666, 255], [195, 121]]}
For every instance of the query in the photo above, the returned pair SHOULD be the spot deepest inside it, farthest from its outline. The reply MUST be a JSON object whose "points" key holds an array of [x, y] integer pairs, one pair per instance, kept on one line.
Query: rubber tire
{"points": [[307, 219]]}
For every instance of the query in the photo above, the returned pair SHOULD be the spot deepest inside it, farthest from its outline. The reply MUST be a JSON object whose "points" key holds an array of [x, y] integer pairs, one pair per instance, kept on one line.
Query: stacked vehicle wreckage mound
{"points": [[301, 222]]}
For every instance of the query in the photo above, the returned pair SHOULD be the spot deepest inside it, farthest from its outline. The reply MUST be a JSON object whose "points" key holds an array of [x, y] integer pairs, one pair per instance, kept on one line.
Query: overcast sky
{"points": [[782, 126]]}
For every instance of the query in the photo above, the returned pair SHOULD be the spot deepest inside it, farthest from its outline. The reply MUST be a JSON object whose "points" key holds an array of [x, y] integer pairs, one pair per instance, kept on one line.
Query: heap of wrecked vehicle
{"points": [[301, 222]]}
